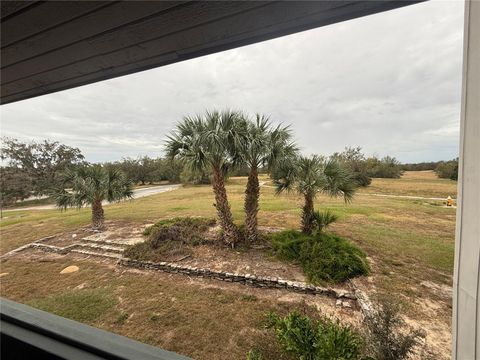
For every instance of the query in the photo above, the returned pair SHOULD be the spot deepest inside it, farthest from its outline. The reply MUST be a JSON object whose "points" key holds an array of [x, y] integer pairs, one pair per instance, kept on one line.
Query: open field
{"points": [[415, 183], [410, 244]]}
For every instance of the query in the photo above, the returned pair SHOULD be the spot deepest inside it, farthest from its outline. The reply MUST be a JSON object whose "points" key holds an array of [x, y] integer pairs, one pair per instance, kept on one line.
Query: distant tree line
{"points": [[31, 169], [34, 168], [38, 168], [146, 170], [447, 169], [364, 169], [443, 169]]}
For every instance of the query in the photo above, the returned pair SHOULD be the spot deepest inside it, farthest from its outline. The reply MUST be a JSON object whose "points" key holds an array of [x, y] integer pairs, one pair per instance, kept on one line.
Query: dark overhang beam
{"points": [[52, 46]]}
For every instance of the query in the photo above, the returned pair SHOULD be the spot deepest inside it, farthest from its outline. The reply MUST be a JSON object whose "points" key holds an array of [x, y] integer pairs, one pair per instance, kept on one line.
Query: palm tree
{"points": [[309, 176], [262, 146], [205, 143], [92, 185]]}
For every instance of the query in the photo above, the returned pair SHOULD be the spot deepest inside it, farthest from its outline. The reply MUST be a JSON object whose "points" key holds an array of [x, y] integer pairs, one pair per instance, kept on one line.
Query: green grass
{"points": [[164, 310], [408, 241], [411, 232], [85, 305]]}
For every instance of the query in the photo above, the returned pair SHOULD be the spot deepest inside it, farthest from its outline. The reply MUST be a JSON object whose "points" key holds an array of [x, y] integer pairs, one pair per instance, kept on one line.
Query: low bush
{"points": [[287, 244], [169, 237], [325, 258], [388, 338], [308, 339], [184, 226]]}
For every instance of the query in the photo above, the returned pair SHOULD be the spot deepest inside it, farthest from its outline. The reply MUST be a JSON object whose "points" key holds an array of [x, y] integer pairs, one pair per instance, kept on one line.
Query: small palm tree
{"points": [[92, 185], [261, 146], [205, 143], [309, 176]]}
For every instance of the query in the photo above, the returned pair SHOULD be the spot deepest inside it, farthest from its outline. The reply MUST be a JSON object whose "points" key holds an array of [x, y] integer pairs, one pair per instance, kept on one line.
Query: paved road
{"points": [[137, 193]]}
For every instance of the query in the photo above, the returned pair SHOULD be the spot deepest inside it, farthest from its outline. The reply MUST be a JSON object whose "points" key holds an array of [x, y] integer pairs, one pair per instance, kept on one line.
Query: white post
{"points": [[466, 283]]}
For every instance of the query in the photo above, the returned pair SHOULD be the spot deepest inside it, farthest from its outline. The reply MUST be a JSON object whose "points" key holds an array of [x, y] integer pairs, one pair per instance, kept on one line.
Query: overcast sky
{"points": [[389, 82]]}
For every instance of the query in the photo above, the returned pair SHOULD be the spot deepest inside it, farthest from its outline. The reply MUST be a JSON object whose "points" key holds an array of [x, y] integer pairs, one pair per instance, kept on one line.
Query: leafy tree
{"points": [[167, 169], [195, 177], [447, 169], [92, 185], [14, 186], [204, 143], [309, 176], [42, 162], [354, 159], [386, 167], [261, 146]]}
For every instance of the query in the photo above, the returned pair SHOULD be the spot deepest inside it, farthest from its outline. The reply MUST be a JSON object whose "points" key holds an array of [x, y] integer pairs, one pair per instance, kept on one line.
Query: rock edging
{"points": [[363, 301], [245, 279], [266, 282]]}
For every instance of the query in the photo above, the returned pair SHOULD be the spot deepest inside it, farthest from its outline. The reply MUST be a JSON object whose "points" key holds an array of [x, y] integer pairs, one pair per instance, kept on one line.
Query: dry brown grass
{"points": [[410, 242], [415, 183], [200, 318]]}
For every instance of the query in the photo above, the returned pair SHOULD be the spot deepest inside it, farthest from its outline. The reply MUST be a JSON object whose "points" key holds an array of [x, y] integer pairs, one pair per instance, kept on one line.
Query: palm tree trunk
{"points": [[230, 231], [252, 193], [307, 214], [98, 217]]}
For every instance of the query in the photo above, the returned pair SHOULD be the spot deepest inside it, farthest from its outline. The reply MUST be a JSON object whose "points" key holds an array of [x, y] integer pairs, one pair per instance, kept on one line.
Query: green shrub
{"points": [[387, 337], [287, 244], [325, 258], [329, 258], [308, 339], [169, 237], [447, 169]]}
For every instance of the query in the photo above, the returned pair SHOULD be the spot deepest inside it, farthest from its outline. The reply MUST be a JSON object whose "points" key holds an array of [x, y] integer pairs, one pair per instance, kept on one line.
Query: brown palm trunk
{"points": [[230, 231], [307, 215], [252, 194], [98, 217]]}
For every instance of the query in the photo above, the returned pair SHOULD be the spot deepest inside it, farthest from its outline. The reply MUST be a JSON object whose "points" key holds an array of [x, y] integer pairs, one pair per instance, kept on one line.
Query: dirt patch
{"points": [[252, 261], [116, 232]]}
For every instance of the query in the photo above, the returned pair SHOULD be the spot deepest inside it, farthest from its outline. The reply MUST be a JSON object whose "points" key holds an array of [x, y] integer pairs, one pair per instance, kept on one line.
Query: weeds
{"points": [[309, 339], [388, 338]]}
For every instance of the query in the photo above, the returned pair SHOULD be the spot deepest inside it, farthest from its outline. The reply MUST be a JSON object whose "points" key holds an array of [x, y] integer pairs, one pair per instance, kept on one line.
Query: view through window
{"points": [[225, 200]]}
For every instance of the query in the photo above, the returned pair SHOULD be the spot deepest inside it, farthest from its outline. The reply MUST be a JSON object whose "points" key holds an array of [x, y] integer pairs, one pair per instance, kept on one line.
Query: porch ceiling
{"points": [[51, 46]]}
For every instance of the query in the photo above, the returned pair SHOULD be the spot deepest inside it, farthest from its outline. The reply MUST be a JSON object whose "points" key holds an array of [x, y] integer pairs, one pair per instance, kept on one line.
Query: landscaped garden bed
{"points": [[195, 242]]}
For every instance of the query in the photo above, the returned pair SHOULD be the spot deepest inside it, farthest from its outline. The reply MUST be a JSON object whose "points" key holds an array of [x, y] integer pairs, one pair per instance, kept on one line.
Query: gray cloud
{"points": [[389, 82]]}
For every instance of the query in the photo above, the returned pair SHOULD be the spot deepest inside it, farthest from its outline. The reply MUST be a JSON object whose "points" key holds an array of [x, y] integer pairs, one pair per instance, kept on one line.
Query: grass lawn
{"points": [[410, 243], [160, 309]]}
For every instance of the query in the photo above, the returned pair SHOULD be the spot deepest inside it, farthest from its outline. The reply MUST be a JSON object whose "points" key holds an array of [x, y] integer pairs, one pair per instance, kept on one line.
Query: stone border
{"points": [[364, 302], [265, 282], [245, 279]]}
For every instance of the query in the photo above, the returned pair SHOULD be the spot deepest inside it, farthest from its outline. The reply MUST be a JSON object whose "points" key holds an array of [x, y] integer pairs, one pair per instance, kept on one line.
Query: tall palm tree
{"points": [[310, 176], [204, 143], [262, 146], [92, 185]]}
